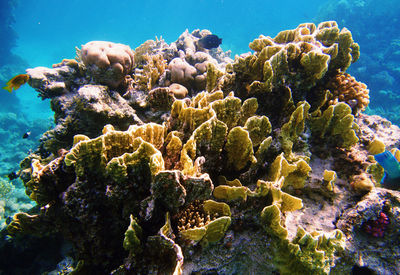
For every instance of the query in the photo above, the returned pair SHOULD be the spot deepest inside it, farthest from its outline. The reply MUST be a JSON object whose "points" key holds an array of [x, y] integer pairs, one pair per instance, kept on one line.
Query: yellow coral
{"points": [[294, 174], [376, 147], [239, 148], [147, 77], [396, 153], [271, 215], [117, 149], [308, 50], [213, 74], [248, 109], [188, 117], [315, 63], [173, 146], [188, 155], [258, 127], [262, 150], [117, 167], [291, 130], [150, 132], [132, 236], [362, 183], [212, 134], [229, 193], [338, 122], [205, 222], [228, 110], [330, 179]]}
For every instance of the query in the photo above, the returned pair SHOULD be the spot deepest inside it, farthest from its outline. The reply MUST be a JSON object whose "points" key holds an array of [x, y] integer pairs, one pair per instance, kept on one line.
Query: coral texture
{"points": [[198, 157], [345, 88], [107, 62]]}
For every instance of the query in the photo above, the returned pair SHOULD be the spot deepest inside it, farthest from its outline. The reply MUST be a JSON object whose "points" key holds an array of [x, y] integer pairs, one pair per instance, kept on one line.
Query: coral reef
{"points": [[344, 88], [293, 64], [377, 227], [197, 158], [371, 24], [370, 220]]}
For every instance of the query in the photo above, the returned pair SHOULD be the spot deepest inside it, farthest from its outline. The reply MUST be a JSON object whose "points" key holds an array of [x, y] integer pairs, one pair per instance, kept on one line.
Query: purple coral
{"points": [[377, 227]]}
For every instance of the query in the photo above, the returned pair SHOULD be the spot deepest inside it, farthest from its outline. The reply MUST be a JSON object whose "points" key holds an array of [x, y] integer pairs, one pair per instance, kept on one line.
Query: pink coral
{"points": [[377, 227]]}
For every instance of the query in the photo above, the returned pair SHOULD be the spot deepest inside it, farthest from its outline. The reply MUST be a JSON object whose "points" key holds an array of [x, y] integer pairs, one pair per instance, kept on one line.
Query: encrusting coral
{"points": [[181, 146], [345, 88]]}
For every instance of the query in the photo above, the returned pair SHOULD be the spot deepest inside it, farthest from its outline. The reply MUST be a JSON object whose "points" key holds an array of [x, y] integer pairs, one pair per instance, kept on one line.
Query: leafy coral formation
{"points": [[298, 59], [249, 133]]}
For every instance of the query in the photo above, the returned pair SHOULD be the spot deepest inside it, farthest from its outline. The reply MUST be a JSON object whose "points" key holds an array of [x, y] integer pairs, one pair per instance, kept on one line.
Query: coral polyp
{"points": [[376, 227]]}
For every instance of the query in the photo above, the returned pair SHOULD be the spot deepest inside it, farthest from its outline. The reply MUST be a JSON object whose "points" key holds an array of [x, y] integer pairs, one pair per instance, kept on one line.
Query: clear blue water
{"points": [[49, 31]]}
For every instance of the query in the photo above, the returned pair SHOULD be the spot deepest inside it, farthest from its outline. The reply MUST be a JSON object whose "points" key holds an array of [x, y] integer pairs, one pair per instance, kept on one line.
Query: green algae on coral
{"points": [[132, 237], [309, 253]]}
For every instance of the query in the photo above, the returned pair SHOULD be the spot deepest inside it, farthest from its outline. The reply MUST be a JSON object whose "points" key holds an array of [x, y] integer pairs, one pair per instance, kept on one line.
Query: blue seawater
{"points": [[374, 25]]}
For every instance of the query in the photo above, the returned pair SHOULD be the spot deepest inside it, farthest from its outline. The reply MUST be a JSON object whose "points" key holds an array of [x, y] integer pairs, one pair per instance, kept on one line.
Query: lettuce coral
{"points": [[309, 252], [153, 160], [338, 124], [205, 222], [308, 50]]}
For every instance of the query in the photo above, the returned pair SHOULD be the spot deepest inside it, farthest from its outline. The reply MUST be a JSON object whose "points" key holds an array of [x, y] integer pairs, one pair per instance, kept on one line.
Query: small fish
{"points": [[16, 82], [391, 179], [12, 176], [209, 41], [26, 135]]}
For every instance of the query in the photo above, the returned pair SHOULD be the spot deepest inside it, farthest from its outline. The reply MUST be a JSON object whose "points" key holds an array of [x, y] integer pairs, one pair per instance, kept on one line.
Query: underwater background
{"points": [[43, 32]]}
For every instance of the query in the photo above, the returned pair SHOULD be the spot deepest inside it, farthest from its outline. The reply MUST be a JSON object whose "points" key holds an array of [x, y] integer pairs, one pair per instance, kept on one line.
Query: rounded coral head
{"points": [[103, 56]]}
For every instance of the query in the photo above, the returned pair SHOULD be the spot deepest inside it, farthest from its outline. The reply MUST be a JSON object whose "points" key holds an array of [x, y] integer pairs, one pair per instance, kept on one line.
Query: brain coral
{"points": [[108, 62]]}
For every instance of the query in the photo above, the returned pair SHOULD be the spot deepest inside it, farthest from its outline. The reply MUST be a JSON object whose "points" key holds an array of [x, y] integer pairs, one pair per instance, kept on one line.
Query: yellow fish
{"points": [[16, 82]]}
